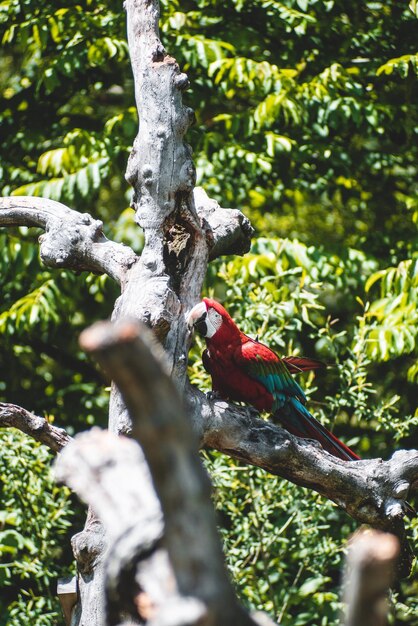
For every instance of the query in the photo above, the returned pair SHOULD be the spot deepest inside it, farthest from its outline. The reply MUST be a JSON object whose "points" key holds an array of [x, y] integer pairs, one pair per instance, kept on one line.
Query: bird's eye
{"points": [[215, 318]]}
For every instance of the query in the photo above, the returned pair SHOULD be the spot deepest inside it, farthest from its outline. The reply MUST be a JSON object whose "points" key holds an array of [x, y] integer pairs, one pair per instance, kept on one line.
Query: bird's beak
{"points": [[197, 319]]}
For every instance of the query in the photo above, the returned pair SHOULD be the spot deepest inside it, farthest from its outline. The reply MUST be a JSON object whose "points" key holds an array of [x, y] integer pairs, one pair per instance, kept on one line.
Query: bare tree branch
{"points": [[72, 240], [183, 229], [164, 432], [228, 231], [179, 236], [13, 416], [160, 168], [371, 491], [370, 572], [168, 279], [110, 474]]}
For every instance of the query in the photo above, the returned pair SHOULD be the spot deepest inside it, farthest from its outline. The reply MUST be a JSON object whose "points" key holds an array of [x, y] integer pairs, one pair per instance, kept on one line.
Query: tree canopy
{"points": [[307, 119]]}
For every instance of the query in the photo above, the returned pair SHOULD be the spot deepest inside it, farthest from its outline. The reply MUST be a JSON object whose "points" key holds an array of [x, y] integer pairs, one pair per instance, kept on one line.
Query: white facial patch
{"points": [[213, 322]]}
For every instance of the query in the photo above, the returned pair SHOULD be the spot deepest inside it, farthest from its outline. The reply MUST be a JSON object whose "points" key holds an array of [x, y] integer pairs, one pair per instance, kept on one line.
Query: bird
{"points": [[245, 370]]}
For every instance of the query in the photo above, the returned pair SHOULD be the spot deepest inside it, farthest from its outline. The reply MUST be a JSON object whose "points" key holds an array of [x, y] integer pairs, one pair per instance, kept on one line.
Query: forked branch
{"points": [[72, 240]]}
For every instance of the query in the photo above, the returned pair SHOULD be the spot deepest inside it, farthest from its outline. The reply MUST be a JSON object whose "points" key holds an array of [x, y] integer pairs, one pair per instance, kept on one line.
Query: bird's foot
{"points": [[252, 412], [214, 395]]}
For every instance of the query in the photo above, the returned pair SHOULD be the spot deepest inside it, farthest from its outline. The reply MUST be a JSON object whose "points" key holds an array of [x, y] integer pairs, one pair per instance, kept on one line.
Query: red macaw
{"points": [[246, 370]]}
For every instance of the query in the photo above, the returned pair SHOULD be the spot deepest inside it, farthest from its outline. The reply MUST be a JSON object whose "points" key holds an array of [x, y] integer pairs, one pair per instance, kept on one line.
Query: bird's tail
{"points": [[296, 364], [296, 418]]}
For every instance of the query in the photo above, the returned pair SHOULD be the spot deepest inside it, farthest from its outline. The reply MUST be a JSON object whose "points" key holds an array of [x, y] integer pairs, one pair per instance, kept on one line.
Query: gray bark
{"points": [[227, 231], [113, 478], [370, 572], [160, 426], [71, 239], [13, 416], [166, 281], [67, 594], [373, 492], [195, 560], [144, 569], [183, 230], [76, 241]]}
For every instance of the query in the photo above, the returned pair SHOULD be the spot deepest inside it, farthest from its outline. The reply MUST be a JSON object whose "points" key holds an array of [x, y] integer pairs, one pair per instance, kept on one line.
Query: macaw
{"points": [[245, 370]]}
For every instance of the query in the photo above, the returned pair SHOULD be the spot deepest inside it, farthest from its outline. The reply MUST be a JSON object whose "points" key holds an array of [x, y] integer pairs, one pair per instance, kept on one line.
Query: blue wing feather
{"points": [[266, 367]]}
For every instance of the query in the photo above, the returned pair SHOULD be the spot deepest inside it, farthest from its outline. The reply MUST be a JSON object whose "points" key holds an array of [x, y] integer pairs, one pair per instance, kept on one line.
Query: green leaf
{"points": [[311, 585]]}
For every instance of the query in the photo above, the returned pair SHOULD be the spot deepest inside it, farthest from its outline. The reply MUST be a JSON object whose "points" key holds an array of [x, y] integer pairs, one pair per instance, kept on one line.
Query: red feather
{"points": [[296, 364], [245, 370]]}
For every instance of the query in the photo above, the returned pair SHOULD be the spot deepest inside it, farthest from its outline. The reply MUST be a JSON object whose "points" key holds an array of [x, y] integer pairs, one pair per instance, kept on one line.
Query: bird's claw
{"points": [[252, 412], [213, 395], [409, 510]]}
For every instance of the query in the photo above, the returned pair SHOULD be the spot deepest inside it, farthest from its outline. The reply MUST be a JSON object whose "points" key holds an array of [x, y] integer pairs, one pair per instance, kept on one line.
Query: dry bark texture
{"points": [[13, 416], [165, 282], [168, 279], [187, 553], [160, 425], [183, 230], [370, 572], [71, 239]]}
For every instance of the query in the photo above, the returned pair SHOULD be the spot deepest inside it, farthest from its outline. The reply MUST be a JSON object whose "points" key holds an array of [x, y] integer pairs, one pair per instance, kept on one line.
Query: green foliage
{"points": [[301, 299], [403, 65], [66, 71], [285, 544], [41, 316], [305, 110], [390, 323], [36, 308], [336, 85], [35, 520], [307, 120], [42, 369]]}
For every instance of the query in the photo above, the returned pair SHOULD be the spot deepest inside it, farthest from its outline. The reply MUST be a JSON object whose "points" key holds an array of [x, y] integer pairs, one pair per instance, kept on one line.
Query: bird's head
{"points": [[208, 317]]}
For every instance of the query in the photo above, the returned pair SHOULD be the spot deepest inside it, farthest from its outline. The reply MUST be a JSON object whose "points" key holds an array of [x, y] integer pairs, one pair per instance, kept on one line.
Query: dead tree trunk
{"points": [[183, 230], [167, 546], [166, 281]]}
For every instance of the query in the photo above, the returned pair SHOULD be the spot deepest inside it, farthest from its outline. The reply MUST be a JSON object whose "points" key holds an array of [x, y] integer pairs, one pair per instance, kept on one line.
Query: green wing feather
{"points": [[266, 367]]}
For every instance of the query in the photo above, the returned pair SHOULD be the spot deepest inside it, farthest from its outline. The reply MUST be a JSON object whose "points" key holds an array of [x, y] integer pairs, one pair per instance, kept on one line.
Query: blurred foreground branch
{"points": [[370, 572], [107, 472]]}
